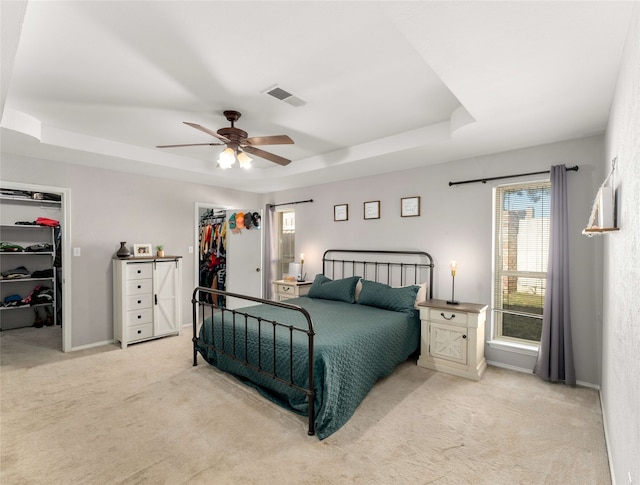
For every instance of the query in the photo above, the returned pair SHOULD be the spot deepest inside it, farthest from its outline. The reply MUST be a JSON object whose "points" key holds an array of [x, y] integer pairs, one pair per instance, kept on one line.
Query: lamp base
{"points": [[453, 302]]}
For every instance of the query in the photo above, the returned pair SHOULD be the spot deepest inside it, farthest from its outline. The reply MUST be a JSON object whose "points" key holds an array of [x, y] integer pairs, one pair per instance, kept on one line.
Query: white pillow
{"points": [[358, 289]]}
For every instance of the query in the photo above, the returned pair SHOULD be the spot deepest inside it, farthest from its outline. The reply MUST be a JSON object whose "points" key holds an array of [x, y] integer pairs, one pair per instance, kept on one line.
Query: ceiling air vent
{"points": [[285, 96]]}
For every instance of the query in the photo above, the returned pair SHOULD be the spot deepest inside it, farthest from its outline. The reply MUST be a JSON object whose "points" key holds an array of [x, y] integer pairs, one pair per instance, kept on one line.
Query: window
{"points": [[287, 241], [521, 249]]}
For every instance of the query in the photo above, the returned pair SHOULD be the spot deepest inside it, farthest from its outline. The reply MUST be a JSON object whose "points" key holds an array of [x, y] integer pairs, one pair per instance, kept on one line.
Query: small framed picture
{"points": [[372, 210], [341, 212], [410, 206], [141, 250]]}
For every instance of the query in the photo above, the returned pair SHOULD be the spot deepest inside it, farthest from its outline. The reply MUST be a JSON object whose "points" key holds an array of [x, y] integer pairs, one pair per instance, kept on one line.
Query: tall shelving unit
{"points": [[12, 317]]}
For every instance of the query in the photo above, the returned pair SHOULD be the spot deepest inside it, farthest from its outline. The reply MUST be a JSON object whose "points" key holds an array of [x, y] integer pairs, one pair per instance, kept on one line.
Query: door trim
{"points": [[65, 222]]}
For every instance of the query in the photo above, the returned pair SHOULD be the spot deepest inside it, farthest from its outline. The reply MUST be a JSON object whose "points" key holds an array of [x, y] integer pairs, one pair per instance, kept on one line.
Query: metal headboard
{"points": [[390, 267]]}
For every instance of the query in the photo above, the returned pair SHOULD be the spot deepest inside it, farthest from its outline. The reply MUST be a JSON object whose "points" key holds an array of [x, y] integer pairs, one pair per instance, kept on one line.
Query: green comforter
{"points": [[355, 345]]}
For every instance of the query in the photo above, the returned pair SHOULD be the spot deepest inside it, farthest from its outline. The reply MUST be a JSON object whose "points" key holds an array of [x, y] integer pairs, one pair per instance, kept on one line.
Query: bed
{"points": [[319, 355]]}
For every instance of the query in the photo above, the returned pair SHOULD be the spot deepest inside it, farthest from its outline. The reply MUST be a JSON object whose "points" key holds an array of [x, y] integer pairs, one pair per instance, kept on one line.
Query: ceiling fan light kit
{"points": [[238, 144]]}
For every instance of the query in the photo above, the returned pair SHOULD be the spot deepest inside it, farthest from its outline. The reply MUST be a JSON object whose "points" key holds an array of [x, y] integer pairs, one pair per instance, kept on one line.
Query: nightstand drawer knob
{"points": [[450, 318], [464, 336]]}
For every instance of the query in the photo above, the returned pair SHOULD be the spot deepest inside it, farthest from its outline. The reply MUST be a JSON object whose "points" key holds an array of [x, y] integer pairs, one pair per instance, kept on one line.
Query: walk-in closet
{"points": [[31, 262]]}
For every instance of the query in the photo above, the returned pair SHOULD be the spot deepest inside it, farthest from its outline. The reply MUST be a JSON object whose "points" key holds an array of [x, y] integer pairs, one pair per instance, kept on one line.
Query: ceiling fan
{"points": [[238, 144]]}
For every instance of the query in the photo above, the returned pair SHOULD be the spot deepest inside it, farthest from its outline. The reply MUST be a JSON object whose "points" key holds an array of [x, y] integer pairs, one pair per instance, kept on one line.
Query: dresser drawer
{"points": [[138, 332], [137, 271], [138, 317], [136, 302], [139, 287], [451, 317]]}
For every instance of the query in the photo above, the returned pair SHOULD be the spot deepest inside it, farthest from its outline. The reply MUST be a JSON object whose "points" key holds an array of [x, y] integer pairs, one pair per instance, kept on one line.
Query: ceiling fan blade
{"points": [[189, 145], [270, 140], [208, 131], [266, 155]]}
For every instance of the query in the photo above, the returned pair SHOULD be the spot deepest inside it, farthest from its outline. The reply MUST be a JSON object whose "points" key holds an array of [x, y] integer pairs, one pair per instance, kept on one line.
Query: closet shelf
{"points": [[30, 201], [21, 307], [18, 280]]}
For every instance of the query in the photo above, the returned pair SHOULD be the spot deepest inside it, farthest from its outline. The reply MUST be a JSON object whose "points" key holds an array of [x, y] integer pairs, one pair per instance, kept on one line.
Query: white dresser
{"points": [[452, 338], [146, 298], [291, 289]]}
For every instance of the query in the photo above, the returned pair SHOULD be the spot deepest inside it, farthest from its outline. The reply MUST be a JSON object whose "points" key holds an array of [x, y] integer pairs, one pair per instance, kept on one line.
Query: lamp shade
{"points": [[295, 269]]}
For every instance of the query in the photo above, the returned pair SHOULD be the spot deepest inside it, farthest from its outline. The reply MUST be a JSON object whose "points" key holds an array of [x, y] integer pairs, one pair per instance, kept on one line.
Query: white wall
{"points": [[621, 327], [456, 223], [108, 207]]}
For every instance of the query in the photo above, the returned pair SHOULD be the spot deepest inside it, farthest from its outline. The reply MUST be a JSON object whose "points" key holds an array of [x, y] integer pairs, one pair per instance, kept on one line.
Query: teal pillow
{"points": [[340, 290], [379, 295]]}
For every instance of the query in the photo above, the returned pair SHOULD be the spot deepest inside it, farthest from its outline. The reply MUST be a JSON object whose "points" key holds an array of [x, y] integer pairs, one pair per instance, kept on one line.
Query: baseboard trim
{"points": [[529, 371], [510, 367], [606, 439], [90, 346]]}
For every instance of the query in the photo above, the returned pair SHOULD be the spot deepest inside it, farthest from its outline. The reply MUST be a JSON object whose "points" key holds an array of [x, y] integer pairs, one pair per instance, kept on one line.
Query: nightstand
{"points": [[452, 338], [291, 289]]}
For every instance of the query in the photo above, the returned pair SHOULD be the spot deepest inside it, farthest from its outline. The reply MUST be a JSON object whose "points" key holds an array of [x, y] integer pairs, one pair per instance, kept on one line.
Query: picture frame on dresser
{"points": [[142, 250]]}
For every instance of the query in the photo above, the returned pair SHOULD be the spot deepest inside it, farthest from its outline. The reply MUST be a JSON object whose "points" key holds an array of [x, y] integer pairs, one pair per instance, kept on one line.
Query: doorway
{"points": [[228, 250], [64, 273]]}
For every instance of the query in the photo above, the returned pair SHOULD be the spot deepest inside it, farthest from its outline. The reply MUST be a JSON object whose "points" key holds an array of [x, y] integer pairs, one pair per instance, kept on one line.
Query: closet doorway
{"points": [[228, 250], [24, 210]]}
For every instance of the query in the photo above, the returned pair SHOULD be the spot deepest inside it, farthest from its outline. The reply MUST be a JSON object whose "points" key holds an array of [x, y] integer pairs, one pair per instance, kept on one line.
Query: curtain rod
{"points": [[291, 203], [486, 179]]}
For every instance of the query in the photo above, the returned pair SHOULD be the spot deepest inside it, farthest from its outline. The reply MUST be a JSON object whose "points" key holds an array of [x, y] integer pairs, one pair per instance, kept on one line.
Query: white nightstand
{"points": [[452, 338], [291, 289]]}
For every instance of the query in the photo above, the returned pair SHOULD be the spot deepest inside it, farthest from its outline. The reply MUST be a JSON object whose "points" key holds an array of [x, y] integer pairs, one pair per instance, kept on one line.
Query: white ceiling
{"points": [[388, 85]]}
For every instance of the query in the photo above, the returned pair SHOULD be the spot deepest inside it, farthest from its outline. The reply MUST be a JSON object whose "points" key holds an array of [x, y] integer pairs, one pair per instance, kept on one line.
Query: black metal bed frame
{"points": [[330, 259], [239, 317]]}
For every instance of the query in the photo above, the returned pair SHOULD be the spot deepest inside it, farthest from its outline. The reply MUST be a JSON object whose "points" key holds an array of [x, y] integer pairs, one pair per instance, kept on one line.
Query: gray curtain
{"points": [[270, 228], [555, 356]]}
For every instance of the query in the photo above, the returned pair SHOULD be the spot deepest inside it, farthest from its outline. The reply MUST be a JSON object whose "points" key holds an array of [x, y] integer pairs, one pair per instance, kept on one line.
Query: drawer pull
{"points": [[139, 317], [450, 318], [286, 288], [139, 301], [139, 331], [139, 271], [139, 286], [464, 336]]}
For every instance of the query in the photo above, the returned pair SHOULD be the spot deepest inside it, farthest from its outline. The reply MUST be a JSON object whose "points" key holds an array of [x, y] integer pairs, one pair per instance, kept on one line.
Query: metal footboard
{"points": [[207, 301]]}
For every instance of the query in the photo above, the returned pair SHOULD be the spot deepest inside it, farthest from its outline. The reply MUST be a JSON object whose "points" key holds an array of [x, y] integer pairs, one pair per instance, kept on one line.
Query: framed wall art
{"points": [[341, 212], [372, 209], [410, 206]]}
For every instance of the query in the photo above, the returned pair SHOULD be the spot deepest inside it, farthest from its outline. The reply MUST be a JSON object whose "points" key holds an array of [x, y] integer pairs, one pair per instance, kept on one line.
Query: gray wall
{"points": [[456, 223], [621, 336], [108, 207]]}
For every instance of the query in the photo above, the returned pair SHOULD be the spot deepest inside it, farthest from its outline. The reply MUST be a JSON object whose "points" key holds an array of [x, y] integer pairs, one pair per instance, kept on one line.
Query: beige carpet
{"points": [[145, 415]]}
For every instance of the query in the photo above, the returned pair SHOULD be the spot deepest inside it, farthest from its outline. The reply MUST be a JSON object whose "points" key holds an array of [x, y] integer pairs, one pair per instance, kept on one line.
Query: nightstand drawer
{"points": [[139, 287], [138, 317], [140, 332], [451, 317], [287, 290], [138, 271]]}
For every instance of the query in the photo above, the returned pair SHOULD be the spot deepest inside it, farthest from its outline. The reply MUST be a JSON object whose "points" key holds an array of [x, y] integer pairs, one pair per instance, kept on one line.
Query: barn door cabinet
{"points": [[452, 338], [146, 294]]}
